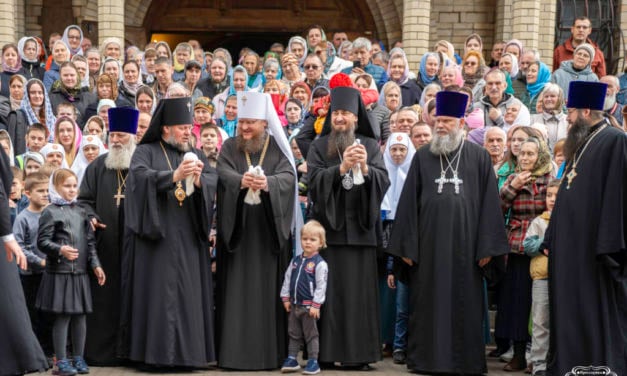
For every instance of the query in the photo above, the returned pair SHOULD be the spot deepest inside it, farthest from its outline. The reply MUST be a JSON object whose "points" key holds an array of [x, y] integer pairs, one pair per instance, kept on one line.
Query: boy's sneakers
{"points": [[312, 367], [290, 365], [65, 368], [399, 356], [80, 365]]}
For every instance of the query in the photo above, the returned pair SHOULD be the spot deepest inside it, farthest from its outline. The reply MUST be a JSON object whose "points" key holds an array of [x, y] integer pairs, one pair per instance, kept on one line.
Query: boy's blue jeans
{"points": [[402, 316]]}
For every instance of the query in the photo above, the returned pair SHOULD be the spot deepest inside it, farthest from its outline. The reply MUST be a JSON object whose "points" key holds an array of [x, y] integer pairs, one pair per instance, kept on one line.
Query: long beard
{"points": [[119, 157], [252, 146], [181, 146], [442, 145], [339, 141], [609, 102], [577, 134]]}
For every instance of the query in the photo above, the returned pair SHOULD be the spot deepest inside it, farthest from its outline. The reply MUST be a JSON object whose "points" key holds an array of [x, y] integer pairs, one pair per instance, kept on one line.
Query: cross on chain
{"points": [[443, 180], [118, 197]]}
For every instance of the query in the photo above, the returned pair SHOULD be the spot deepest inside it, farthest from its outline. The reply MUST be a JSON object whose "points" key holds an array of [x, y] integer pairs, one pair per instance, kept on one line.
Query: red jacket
{"points": [[566, 51]]}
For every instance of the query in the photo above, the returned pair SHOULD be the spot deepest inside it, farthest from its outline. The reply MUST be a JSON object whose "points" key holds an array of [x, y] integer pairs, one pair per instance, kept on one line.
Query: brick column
{"points": [[416, 20], [546, 35], [622, 14], [526, 22], [110, 19], [8, 23]]}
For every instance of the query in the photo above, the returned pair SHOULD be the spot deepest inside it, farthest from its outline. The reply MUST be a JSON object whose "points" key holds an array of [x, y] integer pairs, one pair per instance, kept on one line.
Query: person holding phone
{"points": [[362, 53]]}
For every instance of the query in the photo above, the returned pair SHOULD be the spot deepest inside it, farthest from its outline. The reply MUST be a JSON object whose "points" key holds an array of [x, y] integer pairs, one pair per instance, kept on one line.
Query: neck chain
{"points": [[121, 187], [573, 173], [347, 179], [263, 153], [455, 180], [179, 192]]}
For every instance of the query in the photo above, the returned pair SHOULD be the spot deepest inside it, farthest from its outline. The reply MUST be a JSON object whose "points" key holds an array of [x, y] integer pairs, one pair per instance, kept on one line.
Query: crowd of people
{"points": [[185, 208]]}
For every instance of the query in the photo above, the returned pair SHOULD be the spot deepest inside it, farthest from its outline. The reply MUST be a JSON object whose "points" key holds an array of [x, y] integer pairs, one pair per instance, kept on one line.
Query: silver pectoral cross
{"points": [[443, 180]]}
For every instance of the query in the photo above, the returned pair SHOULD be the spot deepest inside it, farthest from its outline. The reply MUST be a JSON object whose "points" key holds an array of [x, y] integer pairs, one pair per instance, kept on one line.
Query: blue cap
{"points": [[583, 94], [450, 103], [123, 119]]}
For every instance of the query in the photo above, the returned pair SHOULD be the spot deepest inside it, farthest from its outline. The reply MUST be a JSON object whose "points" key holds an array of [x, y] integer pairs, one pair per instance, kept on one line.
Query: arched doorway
{"points": [[253, 23]]}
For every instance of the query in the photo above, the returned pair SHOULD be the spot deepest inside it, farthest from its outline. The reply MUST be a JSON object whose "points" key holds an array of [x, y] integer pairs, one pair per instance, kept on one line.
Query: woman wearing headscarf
{"points": [[538, 75], [73, 38], [472, 72], [112, 47], [523, 197], [145, 100], [36, 105], [12, 119], [333, 64], [28, 49], [11, 65], [91, 147], [218, 79], [106, 88], [60, 54], [239, 82], [429, 68], [298, 46], [428, 93], [509, 64], [577, 69], [130, 83], [68, 89], [163, 50], [291, 71], [514, 47], [552, 115], [228, 121], [398, 71], [113, 67]]}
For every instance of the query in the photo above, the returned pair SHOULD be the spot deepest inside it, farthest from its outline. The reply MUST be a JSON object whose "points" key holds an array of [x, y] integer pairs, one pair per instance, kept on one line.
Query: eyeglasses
{"points": [[314, 67], [470, 63]]}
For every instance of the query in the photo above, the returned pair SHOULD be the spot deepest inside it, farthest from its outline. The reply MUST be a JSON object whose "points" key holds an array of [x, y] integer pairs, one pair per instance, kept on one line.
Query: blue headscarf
{"points": [[229, 126], [544, 76], [423, 70], [231, 87]]}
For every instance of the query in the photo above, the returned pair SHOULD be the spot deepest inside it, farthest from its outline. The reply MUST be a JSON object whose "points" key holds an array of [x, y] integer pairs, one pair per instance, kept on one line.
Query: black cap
{"points": [[171, 111], [349, 99]]}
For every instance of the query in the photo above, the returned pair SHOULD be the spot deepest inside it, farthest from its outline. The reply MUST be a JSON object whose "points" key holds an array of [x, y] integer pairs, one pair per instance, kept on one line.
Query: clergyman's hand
{"points": [[13, 249], [198, 173], [185, 169], [484, 261], [247, 180], [95, 225]]}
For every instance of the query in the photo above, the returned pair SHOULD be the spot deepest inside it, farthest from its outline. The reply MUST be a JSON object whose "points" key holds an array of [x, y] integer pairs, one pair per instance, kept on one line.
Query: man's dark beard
{"points": [[339, 141], [252, 146], [577, 134]]}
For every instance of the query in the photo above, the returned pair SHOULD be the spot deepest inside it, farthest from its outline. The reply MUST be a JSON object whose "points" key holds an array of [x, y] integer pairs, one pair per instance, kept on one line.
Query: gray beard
{"points": [[609, 102], [181, 146], [252, 146], [339, 141], [120, 158], [442, 145]]}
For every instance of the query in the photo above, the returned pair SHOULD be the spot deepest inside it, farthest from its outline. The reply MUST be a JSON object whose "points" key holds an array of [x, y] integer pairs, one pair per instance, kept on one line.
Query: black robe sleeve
{"points": [[5, 187], [329, 196], [404, 243], [279, 199], [87, 192]]}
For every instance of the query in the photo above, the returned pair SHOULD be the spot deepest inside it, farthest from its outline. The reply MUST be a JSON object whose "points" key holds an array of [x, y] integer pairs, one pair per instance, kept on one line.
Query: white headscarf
{"points": [[257, 109], [80, 163], [396, 173], [54, 148], [65, 38], [11, 153]]}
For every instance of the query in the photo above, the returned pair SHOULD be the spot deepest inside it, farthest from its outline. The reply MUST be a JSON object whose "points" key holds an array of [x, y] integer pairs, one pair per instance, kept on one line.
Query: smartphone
{"points": [[356, 64]]}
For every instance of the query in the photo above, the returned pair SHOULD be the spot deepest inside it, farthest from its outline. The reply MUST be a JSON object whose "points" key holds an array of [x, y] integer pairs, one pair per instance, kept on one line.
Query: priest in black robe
{"points": [[348, 181], [258, 212], [448, 227], [586, 242], [20, 352], [102, 194], [167, 317]]}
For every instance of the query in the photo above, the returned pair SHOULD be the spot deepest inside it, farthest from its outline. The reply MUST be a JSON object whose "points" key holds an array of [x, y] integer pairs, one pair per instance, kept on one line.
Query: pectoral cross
{"points": [[118, 197], [443, 180], [570, 177]]}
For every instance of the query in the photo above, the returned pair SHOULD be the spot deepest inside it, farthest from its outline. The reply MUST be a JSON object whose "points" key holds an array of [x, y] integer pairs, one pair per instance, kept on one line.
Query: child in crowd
{"points": [[18, 201], [303, 293], [540, 289], [66, 237], [33, 161], [210, 141], [25, 229], [399, 152]]}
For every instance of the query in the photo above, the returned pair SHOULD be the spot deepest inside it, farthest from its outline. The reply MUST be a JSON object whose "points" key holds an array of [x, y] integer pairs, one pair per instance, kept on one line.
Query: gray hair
{"points": [[494, 129], [362, 42], [614, 79], [271, 63], [535, 52]]}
